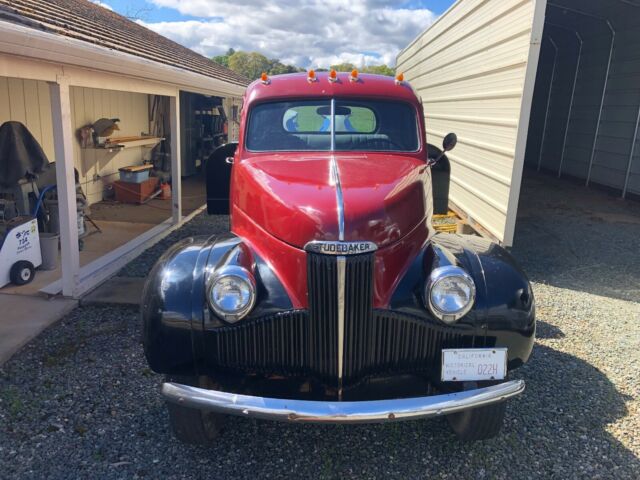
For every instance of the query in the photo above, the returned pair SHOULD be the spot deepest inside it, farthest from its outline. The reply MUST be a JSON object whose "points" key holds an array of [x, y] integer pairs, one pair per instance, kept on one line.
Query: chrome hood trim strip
{"points": [[342, 264], [338, 412], [335, 174]]}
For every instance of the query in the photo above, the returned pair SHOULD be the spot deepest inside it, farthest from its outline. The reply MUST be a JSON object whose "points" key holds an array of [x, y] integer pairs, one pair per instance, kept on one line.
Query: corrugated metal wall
{"points": [[470, 68], [611, 158]]}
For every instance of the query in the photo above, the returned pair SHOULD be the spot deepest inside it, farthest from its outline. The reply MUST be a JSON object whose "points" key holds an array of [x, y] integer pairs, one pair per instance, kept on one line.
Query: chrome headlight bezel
{"points": [[436, 276], [239, 274]]}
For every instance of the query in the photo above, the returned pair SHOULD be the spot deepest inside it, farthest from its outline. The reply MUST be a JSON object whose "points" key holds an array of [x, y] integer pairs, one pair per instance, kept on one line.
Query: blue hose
{"points": [[41, 198]]}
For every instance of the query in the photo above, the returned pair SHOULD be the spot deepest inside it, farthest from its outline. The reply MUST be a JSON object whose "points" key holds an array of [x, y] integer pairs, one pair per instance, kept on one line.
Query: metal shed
{"points": [[553, 85]]}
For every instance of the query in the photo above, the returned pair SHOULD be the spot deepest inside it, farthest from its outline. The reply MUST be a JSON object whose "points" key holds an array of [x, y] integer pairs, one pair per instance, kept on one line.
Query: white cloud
{"points": [[302, 32], [102, 4]]}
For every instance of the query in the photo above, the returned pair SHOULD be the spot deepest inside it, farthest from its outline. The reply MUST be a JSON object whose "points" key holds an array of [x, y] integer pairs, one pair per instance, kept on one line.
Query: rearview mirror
{"points": [[449, 142]]}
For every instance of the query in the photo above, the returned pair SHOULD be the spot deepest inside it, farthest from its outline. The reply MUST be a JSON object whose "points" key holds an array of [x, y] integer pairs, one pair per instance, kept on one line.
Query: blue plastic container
{"points": [[134, 176]]}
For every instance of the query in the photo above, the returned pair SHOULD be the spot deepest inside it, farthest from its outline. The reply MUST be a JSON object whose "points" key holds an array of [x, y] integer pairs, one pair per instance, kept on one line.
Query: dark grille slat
{"points": [[322, 274], [358, 318]]}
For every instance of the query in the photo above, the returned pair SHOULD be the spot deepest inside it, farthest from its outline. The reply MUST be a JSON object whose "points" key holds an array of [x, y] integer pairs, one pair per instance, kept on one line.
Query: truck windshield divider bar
{"points": [[333, 124]]}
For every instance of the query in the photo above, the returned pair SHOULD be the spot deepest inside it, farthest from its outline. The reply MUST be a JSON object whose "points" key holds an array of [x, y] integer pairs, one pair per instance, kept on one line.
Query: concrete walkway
{"points": [[22, 318]]}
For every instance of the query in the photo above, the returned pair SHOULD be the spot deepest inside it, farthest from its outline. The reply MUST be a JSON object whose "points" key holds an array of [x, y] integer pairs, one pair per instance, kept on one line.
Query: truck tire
{"points": [[194, 426], [480, 423], [22, 272]]}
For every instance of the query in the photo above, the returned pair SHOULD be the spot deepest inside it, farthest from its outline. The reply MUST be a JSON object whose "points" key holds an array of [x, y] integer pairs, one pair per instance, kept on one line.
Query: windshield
{"points": [[358, 125]]}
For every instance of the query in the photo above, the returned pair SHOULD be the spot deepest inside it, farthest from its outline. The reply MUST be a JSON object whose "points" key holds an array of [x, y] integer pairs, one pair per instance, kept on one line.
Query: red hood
{"points": [[294, 199]]}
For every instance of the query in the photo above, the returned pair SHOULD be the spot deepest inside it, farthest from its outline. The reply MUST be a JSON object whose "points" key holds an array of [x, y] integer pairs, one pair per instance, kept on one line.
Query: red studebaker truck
{"points": [[332, 299]]}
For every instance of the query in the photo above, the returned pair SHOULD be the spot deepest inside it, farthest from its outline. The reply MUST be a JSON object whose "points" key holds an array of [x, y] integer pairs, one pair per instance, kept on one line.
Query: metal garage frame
{"points": [[573, 91], [546, 115], [602, 99], [606, 79]]}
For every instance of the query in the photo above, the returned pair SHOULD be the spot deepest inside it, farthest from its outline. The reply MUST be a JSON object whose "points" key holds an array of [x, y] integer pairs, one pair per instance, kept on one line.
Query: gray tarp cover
{"points": [[20, 154]]}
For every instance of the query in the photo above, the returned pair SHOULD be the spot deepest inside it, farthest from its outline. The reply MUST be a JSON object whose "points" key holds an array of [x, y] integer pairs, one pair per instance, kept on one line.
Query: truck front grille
{"points": [[279, 344], [306, 342]]}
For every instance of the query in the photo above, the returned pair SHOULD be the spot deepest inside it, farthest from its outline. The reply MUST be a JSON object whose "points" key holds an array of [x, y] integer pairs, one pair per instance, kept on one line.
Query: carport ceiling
{"points": [[618, 12]]}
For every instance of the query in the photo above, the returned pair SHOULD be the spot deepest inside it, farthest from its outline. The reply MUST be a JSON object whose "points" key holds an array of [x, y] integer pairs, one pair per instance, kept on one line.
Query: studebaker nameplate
{"points": [[340, 248]]}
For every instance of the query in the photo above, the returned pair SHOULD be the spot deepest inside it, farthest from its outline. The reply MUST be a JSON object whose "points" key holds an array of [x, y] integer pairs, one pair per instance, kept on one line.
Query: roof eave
{"points": [[50, 47]]}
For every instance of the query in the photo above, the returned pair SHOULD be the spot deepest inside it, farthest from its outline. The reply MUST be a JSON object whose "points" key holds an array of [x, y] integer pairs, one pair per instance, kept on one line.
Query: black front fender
{"points": [[505, 306], [167, 306], [174, 310]]}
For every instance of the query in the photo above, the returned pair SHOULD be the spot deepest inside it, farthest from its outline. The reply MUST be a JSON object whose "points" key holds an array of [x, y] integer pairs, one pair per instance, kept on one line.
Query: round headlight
{"points": [[450, 293], [232, 293]]}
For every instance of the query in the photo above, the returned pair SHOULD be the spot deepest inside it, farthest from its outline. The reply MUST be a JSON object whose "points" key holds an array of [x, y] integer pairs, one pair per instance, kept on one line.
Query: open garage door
{"points": [[475, 70]]}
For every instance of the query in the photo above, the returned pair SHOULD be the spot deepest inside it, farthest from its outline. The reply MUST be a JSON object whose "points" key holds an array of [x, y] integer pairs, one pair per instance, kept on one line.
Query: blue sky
{"points": [[302, 32]]}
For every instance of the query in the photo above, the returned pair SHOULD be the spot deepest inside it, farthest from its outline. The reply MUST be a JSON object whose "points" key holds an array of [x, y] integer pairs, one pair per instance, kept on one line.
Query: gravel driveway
{"points": [[80, 402]]}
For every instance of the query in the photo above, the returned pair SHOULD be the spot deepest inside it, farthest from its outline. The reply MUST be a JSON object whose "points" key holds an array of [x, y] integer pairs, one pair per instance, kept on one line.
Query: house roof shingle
{"points": [[91, 23]]}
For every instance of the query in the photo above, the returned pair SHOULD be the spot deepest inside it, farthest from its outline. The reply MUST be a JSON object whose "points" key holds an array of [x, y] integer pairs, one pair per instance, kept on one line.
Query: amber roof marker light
{"points": [[333, 76], [311, 76], [265, 78], [399, 78], [354, 75]]}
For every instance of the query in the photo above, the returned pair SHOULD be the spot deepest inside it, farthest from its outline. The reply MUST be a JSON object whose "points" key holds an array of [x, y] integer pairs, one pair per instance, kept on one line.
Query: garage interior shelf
{"points": [[130, 142]]}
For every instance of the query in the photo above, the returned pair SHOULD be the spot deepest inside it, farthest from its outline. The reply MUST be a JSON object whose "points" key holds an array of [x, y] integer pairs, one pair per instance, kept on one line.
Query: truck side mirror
{"points": [[449, 142]]}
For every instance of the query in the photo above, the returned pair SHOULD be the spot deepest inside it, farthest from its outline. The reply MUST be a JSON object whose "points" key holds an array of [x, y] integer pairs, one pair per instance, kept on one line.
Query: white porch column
{"points": [[65, 179], [176, 161]]}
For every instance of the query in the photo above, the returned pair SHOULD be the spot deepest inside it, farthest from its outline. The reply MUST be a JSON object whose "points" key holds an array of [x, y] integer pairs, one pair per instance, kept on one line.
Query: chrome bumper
{"points": [[338, 412]]}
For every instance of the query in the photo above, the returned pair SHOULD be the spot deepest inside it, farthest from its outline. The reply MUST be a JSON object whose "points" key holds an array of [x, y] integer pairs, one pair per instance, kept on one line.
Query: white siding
{"points": [[474, 69], [27, 101], [99, 168]]}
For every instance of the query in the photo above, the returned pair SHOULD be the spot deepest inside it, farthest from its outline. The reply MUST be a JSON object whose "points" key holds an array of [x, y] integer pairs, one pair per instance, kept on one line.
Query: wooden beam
{"points": [[176, 161], [65, 179]]}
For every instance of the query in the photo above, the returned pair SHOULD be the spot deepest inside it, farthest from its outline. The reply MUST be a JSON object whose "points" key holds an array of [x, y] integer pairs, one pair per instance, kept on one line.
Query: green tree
{"points": [[249, 64], [377, 69], [380, 70], [343, 67], [224, 59], [252, 64], [278, 68]]}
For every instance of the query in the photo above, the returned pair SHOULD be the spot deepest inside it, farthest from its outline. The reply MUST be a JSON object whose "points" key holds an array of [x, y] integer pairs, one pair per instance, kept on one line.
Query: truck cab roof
{"points": [[298, 85]]}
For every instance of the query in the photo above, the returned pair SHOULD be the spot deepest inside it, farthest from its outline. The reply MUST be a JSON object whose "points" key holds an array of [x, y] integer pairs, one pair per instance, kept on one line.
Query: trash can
{"points": [[49, 248]]}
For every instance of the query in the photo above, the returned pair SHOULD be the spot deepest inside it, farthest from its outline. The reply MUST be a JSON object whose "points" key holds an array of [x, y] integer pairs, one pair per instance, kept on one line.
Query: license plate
{"points": [[468, 364]]}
